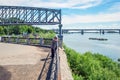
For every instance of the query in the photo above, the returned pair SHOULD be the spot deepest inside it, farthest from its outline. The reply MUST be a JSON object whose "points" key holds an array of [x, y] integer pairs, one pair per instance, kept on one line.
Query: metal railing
{"points": [[54, 68], [45, 42]]}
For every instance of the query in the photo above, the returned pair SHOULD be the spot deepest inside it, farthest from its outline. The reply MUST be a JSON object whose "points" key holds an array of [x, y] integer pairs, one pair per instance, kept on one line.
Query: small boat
{"points": [[100, 39]]}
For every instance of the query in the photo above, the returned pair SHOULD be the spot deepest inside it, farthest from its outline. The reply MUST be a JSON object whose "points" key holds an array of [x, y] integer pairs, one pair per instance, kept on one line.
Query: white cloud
{"points": [[50, 5], [84, 4], [111, 17], [115, 7], [80, 4], [13, 2]]}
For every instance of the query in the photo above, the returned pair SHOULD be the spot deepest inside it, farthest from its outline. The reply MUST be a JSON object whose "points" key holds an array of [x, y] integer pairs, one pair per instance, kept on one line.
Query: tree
{"points": [[1, 30], [29, 30]]}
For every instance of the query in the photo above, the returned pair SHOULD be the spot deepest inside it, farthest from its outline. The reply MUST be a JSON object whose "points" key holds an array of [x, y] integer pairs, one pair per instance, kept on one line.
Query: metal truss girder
{"points": [[13, 15]]}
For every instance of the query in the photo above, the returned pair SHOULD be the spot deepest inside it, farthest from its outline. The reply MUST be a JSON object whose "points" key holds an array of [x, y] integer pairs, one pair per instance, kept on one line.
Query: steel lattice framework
{"points": [[12, 15]]}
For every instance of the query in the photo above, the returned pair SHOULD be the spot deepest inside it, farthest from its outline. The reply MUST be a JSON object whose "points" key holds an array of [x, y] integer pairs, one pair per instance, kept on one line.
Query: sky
{"points": [[78, 13]]}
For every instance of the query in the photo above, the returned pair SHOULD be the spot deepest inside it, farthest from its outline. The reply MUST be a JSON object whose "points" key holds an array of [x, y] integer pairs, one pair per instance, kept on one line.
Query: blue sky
{"points": [[79, 13]]}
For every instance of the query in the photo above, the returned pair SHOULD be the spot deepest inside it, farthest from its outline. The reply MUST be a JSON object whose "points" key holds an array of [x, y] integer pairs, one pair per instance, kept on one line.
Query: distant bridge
{"points": [[88, 30], [12, 15]]}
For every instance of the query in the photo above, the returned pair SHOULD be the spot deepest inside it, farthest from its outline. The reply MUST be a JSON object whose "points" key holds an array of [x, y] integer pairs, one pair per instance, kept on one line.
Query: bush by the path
{"points": [[89, 66]]}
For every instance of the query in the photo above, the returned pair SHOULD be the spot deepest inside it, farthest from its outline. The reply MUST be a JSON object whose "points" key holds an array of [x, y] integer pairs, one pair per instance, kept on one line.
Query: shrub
{"points": [[89, 66]]}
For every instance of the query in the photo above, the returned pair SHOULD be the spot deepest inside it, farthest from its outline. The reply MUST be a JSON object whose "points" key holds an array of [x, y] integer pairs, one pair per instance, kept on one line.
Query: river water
{"points": [[82, 44]]}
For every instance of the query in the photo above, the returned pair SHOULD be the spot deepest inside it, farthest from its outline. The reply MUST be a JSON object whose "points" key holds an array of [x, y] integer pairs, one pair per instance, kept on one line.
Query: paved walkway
{"points": [[64, 68], [21, 62]]}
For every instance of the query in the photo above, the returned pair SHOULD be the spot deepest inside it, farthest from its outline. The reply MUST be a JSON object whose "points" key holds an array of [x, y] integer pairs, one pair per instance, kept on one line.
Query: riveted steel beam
{"points": [[12, 15]]}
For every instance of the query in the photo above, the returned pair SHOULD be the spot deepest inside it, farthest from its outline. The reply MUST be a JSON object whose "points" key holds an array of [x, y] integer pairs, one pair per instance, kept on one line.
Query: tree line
{"points": [[27, 29]]}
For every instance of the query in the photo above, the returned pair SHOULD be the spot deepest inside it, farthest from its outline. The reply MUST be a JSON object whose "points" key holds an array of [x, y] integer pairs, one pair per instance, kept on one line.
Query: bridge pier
{"points": [[60, 36], [100, 31], [82, 32], [103, 32]]}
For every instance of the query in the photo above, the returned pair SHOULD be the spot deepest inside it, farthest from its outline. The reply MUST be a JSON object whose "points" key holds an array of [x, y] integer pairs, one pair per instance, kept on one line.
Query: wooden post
{"points": [[17, 40], [0, 39], [41, 42], [9, 38], [28, 41]]}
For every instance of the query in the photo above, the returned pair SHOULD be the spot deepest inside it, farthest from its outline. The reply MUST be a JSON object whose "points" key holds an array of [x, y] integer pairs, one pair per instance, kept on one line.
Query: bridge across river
{"points": [[82, 31]]}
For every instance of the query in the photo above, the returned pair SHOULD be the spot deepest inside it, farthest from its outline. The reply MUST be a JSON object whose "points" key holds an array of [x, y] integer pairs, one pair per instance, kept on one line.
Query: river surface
{"points": [[82, 44]]}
